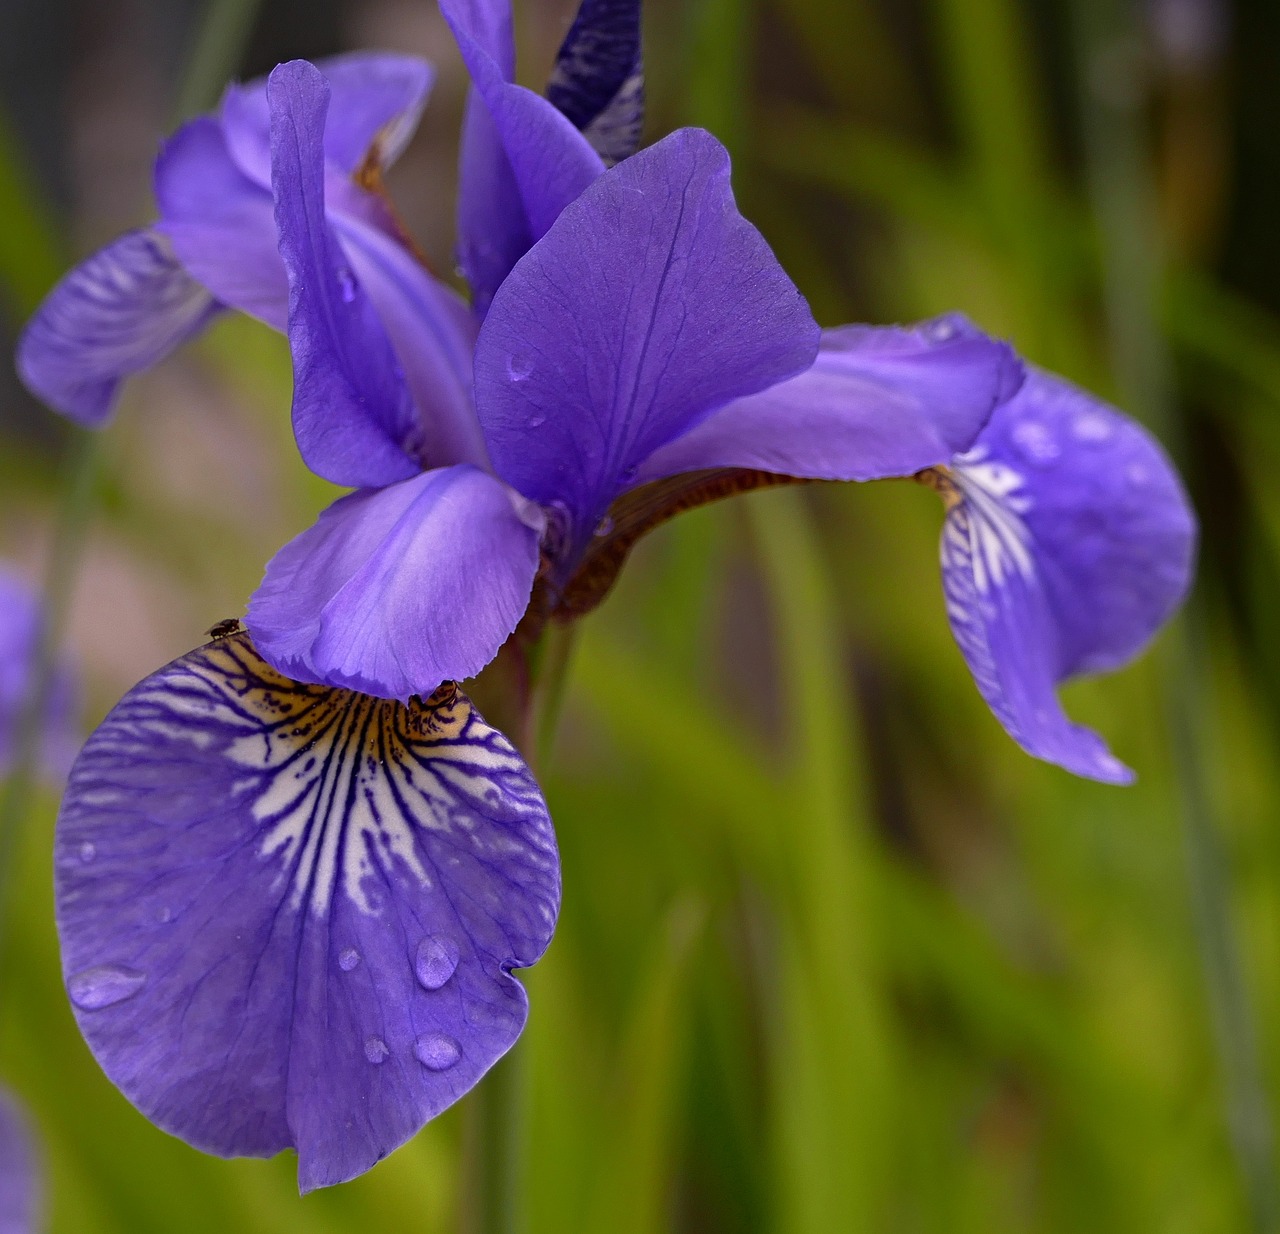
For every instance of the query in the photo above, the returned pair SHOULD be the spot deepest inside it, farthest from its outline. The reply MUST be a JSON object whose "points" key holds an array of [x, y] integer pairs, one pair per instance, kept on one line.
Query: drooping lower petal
{"points": [[1069, 542], [121, 311], [220, 222], [289, 914], [598, 77], [877, 402], [378, 99], [395, 590], [650, 304], [20, 1198]]}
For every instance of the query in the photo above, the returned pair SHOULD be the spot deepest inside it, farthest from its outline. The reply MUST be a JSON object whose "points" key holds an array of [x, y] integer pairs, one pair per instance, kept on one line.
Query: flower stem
{"points": [[1111, 73], [523, 696], [219, 43]]}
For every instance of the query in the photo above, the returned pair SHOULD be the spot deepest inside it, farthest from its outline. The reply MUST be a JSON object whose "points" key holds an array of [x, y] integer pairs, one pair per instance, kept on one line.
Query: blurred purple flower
{"points": [[19, 638], [20, 1201], [133, 302]]}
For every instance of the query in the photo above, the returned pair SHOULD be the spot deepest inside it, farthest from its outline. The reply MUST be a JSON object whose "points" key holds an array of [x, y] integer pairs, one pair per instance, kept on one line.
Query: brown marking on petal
{"points": [[941, 481], [369, 176], [637, 513]]}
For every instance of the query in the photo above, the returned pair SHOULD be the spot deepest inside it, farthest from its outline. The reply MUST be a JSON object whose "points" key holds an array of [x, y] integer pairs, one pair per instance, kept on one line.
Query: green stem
{"points": [[216, 54], [1124, 200], [524, 698]]}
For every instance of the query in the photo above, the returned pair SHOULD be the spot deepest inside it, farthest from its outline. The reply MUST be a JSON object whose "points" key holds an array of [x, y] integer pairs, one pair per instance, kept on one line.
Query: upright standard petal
{"points": [[377, 102], [19, 1174], [522, 160], [289, 914], [598, 78], [121, 311], [877, 402], [354, 413], [650, 304], [1068, 543], [395, 590]]}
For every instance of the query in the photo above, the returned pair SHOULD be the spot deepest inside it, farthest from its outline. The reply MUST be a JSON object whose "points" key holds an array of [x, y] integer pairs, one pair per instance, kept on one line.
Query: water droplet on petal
{"points": [[435, 961], [88, 851], [164, 914], [375, 1050], [436, 1052], [1035, 442], [629, 474], [346, 285], [1136, 474], [604, 526], [940, 331], [1093, 428], [348, 958], [105, 985], [519, 367], [537, 421]]}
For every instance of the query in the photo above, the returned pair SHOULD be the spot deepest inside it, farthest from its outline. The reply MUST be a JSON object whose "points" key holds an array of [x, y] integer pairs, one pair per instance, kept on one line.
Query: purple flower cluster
{"points": [[20, 1199], [295, 867]]}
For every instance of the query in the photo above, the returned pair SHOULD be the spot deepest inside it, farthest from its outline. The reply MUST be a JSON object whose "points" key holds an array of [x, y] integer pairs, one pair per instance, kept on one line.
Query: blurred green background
{"points": [[834, 954]]}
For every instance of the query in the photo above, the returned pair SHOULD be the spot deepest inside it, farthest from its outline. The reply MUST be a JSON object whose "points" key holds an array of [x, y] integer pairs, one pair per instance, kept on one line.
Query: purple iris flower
{"points": [[20, 1201], [19, 636], [294, 873]]}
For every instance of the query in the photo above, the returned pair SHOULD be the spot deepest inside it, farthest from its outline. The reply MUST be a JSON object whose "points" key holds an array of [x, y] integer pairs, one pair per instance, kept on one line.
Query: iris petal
{"points": [[123, 310], [1070, 545], [395, 590], [598, 77], [522, 160], [289, 914], [353, 411], [220, 222], [19, 1176], [650, 304], [877, 402], [378, 99]]}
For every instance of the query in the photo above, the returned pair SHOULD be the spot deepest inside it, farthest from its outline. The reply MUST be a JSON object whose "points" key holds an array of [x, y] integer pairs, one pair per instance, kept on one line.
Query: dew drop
{"points": [[1035, 442], [629, 474], [105, 985], [1136, 474], [164, 914], [537, 421], [942, 330], [436, 959], [347, 285], [519, 367], [604, 526], [375, 1050], [348, 958], [436, 1052], [88, 851], [1092, 428]]}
